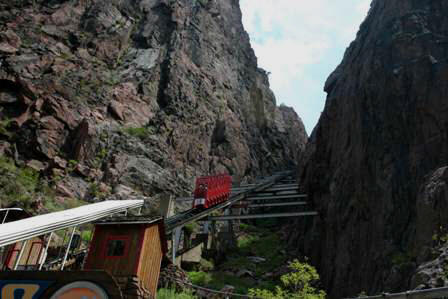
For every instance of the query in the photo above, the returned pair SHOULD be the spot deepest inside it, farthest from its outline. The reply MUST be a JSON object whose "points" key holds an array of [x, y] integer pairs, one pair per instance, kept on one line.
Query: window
{"points": [[116, 246]]}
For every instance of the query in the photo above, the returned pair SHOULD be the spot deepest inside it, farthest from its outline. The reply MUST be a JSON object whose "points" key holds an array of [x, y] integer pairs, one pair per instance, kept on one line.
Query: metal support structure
{"points": [[195, 214], [68, 248], [44, 256], [252, 197], [19, 256], [176, 240], [257, 216], [268, 205], [213, 244]]}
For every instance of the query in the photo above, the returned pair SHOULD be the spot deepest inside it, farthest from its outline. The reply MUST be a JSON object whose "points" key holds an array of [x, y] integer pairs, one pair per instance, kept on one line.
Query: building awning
{"points": [[28, 228]]}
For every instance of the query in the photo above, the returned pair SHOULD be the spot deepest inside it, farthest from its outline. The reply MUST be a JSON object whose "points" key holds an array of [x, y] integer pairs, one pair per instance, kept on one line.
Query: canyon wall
{"points": [[376, 162], [137, 96]]}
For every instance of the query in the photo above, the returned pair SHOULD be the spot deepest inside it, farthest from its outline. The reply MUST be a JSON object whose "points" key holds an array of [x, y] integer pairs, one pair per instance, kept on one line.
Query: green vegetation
{"points": [[401, 258], [86, 236], [172, 294], [205, 265], [18, 184], [254, 241], [139, 132], [260, 243], [23, 185], [217, 280], [295, 285], [190, 227], [4, 124]]}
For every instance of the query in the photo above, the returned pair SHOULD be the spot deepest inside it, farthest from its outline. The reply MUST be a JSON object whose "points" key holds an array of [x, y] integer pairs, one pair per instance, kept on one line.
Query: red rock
{"points": [[82, 147], [51, 136], [6, 48], [59, 162], [36, 165], [9, 42], [117, 109], [59, 107]]}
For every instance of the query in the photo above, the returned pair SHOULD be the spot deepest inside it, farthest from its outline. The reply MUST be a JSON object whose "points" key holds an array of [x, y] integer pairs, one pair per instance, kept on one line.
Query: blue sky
{"points": [[301, 42]]}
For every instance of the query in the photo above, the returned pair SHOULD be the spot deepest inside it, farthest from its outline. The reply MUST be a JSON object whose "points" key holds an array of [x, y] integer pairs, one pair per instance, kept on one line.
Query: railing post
{"points": [[19, 256], [68, 248], [44, 257]]}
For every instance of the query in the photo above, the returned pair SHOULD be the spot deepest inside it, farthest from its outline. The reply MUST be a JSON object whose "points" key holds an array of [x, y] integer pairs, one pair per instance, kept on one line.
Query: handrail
{"points": [[414, 294]]}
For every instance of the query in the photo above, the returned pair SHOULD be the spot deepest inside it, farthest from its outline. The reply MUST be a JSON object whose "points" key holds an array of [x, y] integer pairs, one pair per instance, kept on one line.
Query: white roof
{"points": [[28, 228]]}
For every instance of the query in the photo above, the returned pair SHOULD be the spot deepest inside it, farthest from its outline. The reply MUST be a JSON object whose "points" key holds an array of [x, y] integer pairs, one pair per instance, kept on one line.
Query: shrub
{"points": [[139, 132], [17, 184], [171, 294], [295, 285]]}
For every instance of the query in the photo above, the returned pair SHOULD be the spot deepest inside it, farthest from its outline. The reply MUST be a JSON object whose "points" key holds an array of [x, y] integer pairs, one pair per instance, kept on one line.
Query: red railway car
{"points": [[211, 190]]}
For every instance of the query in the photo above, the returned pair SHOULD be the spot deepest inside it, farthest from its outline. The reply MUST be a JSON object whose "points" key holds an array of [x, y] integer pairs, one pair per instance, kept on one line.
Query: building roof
{"points": [[28, 228], [141, 219], [13, 214]]}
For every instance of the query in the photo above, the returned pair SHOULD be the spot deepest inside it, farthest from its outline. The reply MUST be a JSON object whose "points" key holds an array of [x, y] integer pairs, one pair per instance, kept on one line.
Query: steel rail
{"points": [[273, 186], [278, 204], [271, 197], [259, 216], [196, 214]]}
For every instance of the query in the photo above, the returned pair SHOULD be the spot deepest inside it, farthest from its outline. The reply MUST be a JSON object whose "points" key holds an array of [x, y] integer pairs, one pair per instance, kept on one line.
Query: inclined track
{"points": [[191, 215]]}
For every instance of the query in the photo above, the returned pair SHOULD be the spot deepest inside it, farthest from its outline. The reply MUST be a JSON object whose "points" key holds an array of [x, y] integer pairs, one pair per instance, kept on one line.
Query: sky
{"points": [[300, 42]]}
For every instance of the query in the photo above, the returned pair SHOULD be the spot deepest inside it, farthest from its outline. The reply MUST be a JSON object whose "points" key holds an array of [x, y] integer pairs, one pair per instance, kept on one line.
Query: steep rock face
{"points": [[383, 132], [145, 94]]}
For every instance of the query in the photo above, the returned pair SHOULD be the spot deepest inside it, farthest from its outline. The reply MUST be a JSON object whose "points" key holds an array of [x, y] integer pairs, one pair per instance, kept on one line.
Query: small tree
{"points": [[296, 285]]}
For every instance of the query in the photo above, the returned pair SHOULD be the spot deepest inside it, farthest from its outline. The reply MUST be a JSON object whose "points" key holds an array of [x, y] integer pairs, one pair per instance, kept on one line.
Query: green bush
{"points": [[295, 285], [139, 132], [172, 294], [200, 278], [217, 280], [206, 265], [17, 184]]}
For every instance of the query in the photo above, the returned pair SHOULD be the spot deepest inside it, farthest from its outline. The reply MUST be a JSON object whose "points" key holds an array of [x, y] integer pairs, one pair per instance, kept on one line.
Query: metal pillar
{"points": [[6, 215], [213, 244], [68, 248], [44, 257], [19, 256], [175, 244]]}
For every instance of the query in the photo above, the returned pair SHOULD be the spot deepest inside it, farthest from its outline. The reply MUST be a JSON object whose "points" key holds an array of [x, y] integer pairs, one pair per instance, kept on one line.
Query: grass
{"points": [[172, 294], [217, 280], [17, 184], [141, 132], [23, 185], [254, 241]]}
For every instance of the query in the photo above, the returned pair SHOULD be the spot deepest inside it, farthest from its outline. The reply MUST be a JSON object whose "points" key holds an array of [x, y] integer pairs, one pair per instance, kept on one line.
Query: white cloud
{"points": [[294, 38]]}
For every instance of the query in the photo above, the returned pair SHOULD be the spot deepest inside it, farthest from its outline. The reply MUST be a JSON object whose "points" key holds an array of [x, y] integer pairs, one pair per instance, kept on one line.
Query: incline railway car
{"points": [[211, 190]]}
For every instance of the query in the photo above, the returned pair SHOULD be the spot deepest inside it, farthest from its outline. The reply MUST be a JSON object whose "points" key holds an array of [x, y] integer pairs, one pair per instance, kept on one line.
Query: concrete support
{"points": [[167, 207]]}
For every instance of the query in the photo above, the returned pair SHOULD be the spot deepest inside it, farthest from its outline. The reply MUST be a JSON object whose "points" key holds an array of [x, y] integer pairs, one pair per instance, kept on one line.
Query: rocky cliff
{"points": [[376, 162], [141, 96]]}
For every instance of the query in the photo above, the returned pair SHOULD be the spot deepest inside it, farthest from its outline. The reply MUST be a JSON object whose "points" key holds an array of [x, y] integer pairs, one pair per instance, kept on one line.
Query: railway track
{"points": [[192, 215]]}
